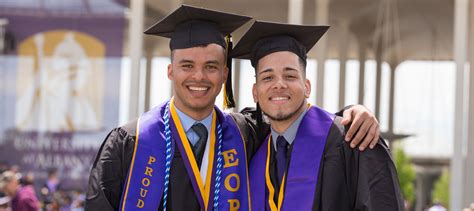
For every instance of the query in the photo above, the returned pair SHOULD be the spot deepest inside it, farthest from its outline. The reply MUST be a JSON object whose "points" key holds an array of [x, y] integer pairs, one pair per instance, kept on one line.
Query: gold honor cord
{"points": [[131, 165], [204, 190], [271, 189]]}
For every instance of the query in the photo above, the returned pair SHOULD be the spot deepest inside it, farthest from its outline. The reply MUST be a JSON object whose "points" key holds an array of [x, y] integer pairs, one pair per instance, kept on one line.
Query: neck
{"points": [[281, 126], [196, 114]]}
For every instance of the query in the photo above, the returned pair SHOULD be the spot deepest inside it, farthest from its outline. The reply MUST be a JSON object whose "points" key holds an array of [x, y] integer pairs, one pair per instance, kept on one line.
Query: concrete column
{"points": [[322, 18], [3, 25], [362, 45], [420, 188], [460, 134], [469, 161], [343, 50], [295, 11], [149, 63], [135, 34], [236, 84], [378, 80], [391, 103]]}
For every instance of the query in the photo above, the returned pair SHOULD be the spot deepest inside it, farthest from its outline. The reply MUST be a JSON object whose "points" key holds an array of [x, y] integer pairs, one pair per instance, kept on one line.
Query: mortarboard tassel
{"points": [[228, 93]]}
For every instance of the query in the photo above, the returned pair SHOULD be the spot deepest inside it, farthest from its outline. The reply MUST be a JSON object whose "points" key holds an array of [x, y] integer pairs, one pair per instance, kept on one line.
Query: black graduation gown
{"points": [[350, 179], [110, 169]]}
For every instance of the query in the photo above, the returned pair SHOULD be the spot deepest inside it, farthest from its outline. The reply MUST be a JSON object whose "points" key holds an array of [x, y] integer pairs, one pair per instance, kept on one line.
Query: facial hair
{"points": [[282, 117]]}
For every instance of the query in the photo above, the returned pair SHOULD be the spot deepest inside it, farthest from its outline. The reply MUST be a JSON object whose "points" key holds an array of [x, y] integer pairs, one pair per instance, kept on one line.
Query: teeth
{"points": [[197, 88], [280, 98]]}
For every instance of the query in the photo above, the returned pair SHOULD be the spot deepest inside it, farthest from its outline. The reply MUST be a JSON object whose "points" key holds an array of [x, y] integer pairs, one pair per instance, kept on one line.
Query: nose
{"points": [[199, 74], [279, 83]]}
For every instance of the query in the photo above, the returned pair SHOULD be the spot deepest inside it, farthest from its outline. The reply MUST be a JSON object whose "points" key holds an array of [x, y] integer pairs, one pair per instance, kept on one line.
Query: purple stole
{"points": [[301, 178], [144, 186]]}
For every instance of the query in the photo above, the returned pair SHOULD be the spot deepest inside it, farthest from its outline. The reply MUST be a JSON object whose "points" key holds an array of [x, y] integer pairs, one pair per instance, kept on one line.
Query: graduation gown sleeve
{"points": [[110, 168], [354, 180]]}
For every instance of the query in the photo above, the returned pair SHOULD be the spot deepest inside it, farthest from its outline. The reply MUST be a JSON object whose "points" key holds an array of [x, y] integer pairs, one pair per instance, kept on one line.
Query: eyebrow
{"points": [[291, 69], [286, 69], [191, 61], [212, 62], [185, 61], [265, 71]]}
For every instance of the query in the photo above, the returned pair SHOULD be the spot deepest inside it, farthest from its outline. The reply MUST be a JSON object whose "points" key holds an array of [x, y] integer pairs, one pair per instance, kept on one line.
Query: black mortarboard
{"points": [[264, 38], [190, 26]]}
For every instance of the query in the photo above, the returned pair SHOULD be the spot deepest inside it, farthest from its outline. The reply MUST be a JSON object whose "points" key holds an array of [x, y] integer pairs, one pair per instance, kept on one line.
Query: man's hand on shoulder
{"points": [[364, 127]]}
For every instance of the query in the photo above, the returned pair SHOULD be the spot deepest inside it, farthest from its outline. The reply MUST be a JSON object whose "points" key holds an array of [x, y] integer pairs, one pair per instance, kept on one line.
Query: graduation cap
{"points": [[190, 26], [264, 38]]}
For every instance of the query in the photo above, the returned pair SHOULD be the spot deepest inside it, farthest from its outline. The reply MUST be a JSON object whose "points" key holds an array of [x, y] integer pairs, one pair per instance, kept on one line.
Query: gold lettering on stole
{"points": [[148, 171], [140, 203], [229, 159], [146, 182], [234, 204], [237, 182], [143, 192], [151, 160]]}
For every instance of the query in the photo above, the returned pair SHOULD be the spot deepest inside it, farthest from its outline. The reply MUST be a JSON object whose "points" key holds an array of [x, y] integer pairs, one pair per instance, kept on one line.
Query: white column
{"points": [[378, 80], [393, 68], [343, 50], [362, 45], [460, 51], [137, 8], [149, 64], [3, 25], [469, 162], [295, 11], [322, 18]]}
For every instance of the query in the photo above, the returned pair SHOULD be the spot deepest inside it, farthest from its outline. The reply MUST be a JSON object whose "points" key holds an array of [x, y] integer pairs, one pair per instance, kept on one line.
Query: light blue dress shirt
{"points": [[290, 133], [187, 122]]}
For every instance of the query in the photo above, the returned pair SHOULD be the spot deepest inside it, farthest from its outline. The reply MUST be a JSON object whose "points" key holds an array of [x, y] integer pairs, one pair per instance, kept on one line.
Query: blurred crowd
{"points": [[20, 192]]}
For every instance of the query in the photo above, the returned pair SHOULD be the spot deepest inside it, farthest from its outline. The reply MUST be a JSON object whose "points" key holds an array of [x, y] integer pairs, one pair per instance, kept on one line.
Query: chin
{"points": [[280, 116]]}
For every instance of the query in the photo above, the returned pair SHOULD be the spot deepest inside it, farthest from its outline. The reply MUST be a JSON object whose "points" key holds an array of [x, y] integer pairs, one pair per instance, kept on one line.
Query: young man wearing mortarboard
{"points": [[304, 163], [184, 154]]}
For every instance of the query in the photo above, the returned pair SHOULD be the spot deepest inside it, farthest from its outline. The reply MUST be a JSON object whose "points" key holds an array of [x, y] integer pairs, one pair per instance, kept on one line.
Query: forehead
{"points": [[279, 61], [207, 52]]}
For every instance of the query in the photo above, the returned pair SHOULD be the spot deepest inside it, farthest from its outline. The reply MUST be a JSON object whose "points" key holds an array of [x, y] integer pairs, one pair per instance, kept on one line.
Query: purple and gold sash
{"points": [[299, 183], [145, 182]]}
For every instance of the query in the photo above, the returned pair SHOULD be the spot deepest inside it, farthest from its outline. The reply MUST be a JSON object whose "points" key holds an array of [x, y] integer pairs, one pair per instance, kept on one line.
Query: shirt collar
{"points": [[187, 122], [290, 133]]}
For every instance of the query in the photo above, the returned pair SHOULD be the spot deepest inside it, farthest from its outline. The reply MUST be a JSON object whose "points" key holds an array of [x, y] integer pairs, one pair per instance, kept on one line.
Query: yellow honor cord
{"points": [[271, 189], [205, 191], [131, 165]]}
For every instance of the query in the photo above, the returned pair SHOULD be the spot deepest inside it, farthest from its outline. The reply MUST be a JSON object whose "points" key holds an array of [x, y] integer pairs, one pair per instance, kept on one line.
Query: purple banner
{"points": [[59, 86]]}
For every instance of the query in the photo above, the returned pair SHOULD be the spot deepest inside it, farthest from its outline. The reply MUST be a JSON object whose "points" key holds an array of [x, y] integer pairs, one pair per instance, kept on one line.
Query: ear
{"points": [[254, 93], [170, 72], [226, 74], [307, 85]]}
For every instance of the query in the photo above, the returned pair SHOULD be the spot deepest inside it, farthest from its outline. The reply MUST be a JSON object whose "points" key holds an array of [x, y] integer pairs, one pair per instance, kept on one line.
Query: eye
{"points": [[187, 66], [267, 78], [291, 77], [212, 67]]}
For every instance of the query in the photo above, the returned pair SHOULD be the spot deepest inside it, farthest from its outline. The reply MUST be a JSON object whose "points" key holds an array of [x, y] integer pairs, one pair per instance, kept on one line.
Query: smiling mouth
{"points": [[279, 99], [198, 88]]}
